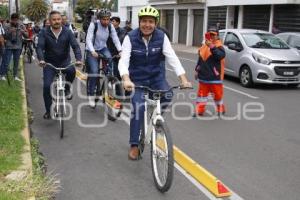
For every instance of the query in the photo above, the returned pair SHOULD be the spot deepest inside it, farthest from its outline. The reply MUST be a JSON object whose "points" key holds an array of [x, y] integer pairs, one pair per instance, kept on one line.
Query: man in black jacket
{"points": [[54, 47], [115, 21]]}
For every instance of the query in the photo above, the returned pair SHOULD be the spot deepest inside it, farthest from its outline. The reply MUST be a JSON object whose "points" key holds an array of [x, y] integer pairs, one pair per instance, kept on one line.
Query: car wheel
{"points": [[246, 77]]}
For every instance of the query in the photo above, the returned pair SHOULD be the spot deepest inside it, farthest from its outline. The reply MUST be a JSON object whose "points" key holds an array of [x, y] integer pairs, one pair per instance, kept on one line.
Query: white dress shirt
{"points": [[2, 32], [168, 52], [102, 35]]}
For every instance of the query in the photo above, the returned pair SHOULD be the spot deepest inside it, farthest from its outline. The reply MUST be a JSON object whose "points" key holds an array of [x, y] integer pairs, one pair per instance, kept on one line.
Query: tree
{"points": [[83, 5], [4, 12], [37, 10], [110, 4], [23, 6]]}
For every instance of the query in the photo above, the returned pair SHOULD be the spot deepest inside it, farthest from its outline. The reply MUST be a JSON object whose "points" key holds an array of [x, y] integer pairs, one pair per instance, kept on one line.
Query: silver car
{"points": [[260, 57]]}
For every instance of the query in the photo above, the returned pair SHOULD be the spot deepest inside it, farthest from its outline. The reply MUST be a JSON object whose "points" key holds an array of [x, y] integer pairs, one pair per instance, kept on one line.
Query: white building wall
{"points": [[230, 17], [12, 6], [61, 7], [190, 27], [241, 17], [175, 26], [136, 6], [249, 2]]}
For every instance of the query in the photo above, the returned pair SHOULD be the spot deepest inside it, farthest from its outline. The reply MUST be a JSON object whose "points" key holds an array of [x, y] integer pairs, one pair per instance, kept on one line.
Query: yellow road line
{"points": [[200, 174]]}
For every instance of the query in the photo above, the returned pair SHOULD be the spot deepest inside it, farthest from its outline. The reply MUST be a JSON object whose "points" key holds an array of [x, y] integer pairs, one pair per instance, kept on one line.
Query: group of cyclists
{"points": [[140, 59], [139, 56]]}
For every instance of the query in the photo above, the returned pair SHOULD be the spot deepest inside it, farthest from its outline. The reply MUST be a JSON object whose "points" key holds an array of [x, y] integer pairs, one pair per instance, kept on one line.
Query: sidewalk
{"points": [[184, 48]]}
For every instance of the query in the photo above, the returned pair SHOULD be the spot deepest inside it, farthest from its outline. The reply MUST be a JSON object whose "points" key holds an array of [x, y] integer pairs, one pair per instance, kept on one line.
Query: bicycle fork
{"points": [[155, 116], [60, 95]]}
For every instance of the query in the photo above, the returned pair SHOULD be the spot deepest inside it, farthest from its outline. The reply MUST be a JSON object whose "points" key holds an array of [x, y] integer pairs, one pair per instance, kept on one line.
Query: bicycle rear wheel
{"points": [[162, 160], [29, 56], [113, 107]]}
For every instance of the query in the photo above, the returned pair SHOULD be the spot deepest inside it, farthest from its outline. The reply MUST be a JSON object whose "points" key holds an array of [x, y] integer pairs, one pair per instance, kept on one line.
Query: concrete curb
{"points": [[200, 174], [26, 156]]}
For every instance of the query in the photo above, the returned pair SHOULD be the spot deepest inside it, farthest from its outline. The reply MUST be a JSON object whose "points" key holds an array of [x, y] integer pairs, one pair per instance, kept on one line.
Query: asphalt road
{"points": [[254, 149]]}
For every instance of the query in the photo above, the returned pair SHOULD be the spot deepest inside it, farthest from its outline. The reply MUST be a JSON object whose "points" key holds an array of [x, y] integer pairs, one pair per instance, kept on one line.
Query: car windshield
{"points": [[264, 41]]}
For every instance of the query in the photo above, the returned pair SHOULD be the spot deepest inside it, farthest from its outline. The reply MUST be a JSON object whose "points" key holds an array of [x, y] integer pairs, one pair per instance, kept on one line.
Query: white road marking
{"points": [[241, 92], [187, 59]]}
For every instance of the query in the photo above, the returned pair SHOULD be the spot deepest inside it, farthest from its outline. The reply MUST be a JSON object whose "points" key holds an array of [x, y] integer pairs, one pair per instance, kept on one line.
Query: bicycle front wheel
{"points": [[61, 112], [162, 160], [29, 56]]}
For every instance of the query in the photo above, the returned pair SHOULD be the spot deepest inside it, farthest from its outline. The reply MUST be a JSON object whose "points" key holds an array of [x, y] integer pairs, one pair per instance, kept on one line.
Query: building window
{"points": [[287, 17], [217, 16], [257, 17]]}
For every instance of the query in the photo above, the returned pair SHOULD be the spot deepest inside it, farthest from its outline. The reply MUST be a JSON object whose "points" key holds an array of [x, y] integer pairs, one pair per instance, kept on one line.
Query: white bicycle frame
{"points": [[60, 86], [156, 116]]}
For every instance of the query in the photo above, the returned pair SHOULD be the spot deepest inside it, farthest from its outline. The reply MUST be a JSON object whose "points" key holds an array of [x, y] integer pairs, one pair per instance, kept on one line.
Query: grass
{"points": [[11, 125], [12, 122], [34, 184], [9, 196]]}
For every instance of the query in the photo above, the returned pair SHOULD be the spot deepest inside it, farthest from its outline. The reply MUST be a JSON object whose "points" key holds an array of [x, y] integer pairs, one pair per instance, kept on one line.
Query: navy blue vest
{"points": [[145, 63]]}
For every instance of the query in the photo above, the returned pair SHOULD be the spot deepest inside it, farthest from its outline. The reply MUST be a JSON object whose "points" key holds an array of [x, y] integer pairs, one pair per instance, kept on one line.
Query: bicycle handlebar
{"points": [[160, 91], [101, 56], [62, 68]]}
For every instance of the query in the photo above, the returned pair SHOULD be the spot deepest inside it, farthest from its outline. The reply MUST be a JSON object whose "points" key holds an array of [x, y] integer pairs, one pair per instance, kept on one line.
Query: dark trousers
{"points": [[48, 76], [1, 54], [93, 68], [8, 53], [138, 106]]}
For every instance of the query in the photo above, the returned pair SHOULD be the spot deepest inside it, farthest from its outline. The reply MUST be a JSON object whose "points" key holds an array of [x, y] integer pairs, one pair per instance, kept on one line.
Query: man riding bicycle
{"points": [[97, 36], [142, 52], [54, 47], [27, 42]]}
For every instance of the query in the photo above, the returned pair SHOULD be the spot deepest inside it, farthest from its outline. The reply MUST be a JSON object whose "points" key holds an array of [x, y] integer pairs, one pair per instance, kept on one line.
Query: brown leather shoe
{"points": [[133, 153]]}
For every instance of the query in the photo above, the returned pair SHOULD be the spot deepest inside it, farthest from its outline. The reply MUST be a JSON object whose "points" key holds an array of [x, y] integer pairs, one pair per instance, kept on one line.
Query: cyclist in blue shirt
{"points": [[143, 49], [97, 36]]}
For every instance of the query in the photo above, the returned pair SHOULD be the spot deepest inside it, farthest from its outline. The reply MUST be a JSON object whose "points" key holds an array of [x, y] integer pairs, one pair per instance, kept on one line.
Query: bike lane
{"points": [[91, 162]]}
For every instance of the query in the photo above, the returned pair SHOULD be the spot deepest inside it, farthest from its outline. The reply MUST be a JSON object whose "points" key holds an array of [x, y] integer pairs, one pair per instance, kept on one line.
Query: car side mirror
{"points": [[235, 47]]}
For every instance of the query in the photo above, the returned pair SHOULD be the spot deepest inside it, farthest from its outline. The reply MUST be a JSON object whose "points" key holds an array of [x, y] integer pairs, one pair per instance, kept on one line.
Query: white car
{"points": [[256, 56]]}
